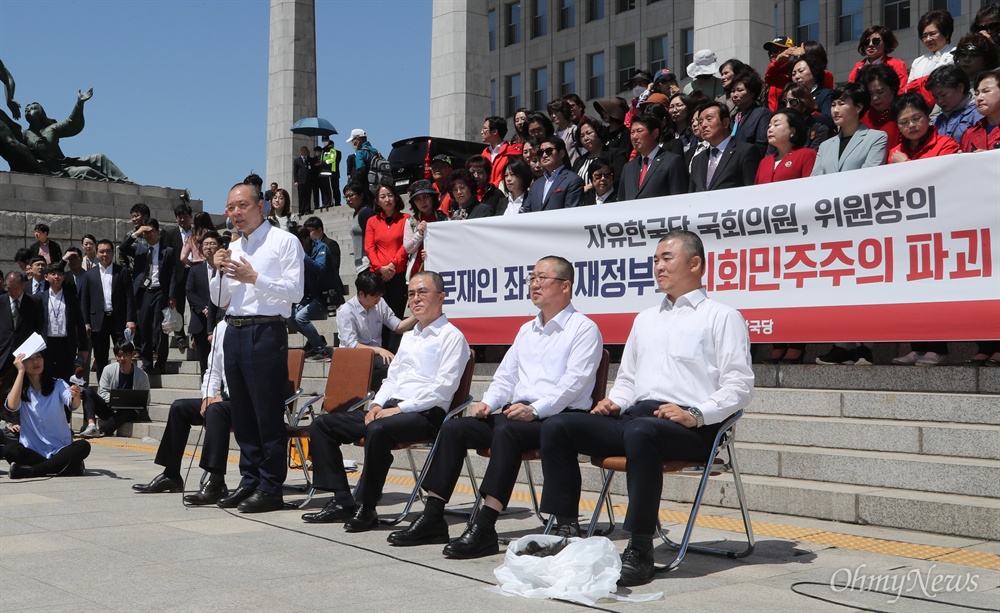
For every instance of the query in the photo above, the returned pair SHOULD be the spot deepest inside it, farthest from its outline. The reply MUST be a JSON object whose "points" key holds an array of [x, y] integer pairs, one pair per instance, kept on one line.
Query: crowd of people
{"points": [[727, 127]]}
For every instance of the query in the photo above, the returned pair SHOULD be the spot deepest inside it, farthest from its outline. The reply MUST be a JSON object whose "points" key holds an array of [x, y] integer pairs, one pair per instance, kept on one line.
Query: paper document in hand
{"points": [[34, 344]]}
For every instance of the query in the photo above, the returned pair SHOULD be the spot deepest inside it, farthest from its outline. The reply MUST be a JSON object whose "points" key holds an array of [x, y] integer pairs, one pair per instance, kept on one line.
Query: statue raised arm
{"points": [[12, 145]]}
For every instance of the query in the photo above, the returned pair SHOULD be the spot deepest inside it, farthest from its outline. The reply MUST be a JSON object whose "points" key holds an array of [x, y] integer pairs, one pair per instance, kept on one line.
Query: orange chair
{"points": [[347, 389], [459, 402], [714, 465], [600, 390]]}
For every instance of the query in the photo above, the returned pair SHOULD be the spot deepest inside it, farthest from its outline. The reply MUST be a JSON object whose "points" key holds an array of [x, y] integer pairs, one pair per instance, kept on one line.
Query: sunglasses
{"points": [[547, 151], [873, 41], [994, 27], [793, 102]]}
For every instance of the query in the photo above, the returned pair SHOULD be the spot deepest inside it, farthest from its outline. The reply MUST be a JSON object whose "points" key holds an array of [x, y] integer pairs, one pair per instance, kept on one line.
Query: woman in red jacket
{"points": [[787, 133], [384, 248], [877, 42], [919, 138], [882, 84], [984, 135]]}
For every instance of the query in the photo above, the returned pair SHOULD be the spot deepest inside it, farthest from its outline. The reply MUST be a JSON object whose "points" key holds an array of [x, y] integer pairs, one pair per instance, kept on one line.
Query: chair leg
{"points": [[533, 491], [309, 497], [744, 510], [419, 480], [604, 499], [470, 515]]}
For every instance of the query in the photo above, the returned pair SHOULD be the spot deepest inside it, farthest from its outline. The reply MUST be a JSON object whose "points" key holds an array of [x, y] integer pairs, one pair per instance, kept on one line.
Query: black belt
{"points": [[239, 321], [108, 313]]}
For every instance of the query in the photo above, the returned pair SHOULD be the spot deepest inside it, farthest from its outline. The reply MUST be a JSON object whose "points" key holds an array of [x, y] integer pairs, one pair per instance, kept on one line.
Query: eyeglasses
{"points": [[423, 292], [916, 121], [929, 34], [541, 279], [547, 151], [603, 175], [874, 41]]}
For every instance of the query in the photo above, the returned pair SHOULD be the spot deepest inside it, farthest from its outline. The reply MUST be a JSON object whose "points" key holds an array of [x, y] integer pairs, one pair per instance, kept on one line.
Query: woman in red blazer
{"points": [[919, 138], [384, 248], [787, 133]]}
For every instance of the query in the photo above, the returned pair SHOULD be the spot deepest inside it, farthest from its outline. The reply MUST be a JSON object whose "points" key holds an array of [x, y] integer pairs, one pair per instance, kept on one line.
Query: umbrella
{"points": [[314, 126]]}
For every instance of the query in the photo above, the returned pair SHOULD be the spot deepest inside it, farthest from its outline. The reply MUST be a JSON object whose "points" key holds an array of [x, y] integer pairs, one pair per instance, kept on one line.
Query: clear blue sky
{"points": [[180, 86]]}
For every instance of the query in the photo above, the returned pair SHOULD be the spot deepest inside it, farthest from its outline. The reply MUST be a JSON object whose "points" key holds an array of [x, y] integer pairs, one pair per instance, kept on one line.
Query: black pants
{"points": [[328, 432], [321, 195], [68, 461], [395, 298], [305, 198], [60, 356], [94, 406], [151, 336], [101, 342], [203, 348], [180, 292], [256, 371], [185, 413], [506, 438], [645, 440]]}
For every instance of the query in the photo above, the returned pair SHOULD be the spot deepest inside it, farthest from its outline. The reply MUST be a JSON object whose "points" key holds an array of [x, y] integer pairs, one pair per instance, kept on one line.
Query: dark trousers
{"points": [[256, 371], [395, 298], [507, 440], [645, 440], [94, 406], [180, 292], [328, 432], [101, 342], [305, 198], [334, 181], [151, 336], [60, 356], [185, 413], [68, 461], [203, 348], [321, 194]]}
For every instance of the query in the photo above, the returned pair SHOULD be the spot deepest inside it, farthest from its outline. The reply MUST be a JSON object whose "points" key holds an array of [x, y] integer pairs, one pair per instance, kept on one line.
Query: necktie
{"points": [[713, 161], [15, 312], [645, 167]]}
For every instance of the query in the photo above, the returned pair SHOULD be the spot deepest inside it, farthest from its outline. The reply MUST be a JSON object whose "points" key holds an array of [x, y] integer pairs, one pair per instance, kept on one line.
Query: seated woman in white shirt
{"points": [[45, 444], [122, 375], [935, 29], [517, 178]]}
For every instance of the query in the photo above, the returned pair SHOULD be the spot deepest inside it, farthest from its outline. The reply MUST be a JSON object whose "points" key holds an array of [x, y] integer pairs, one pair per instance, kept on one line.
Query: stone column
{"points": [[734, 29], [291, 86], [460, 89]]}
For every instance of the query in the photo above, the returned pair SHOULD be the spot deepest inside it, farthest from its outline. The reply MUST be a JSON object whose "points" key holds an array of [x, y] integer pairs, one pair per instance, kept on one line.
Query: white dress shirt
{"points": [[694, 353], [360, 326], [514, 204], [550, 367], [926, 63], [57, 313], [214, 380], [106, 278], [606, 198], [277, 258], [427, 369]]}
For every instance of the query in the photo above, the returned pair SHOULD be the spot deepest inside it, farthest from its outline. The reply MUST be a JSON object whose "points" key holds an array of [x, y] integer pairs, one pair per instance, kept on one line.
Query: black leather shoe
{"points": [[567, 529], [365, 519], [19, 471], [637, 566], [477, 541], [159, 485], [332, 513], [261, 502], [234, 499], [210, 493], [423, 531]]}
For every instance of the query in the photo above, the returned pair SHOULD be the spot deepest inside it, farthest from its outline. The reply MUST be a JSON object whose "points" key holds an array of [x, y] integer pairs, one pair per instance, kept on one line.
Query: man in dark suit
{"points": [[42, 246], [107, 303], [728, 162], [153, 283], [654, 171], [302, 174], [175, 237], [60, 322], [18, 318], [204, 313], [558, 187], [36, 276]]}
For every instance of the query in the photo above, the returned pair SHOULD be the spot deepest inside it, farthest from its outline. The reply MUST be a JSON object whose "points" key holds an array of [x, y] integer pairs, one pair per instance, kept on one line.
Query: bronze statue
{"points": [[12, 146], [42, 137]]}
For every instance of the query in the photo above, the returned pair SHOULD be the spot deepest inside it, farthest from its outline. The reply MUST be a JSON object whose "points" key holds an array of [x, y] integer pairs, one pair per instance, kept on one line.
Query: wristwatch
{"points": [[698, 417]]}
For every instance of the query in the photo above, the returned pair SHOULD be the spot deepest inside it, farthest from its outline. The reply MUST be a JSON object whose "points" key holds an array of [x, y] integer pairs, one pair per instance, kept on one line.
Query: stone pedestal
{"points": [[72, 208], [460, 92], [291, 87], [734, 29]]}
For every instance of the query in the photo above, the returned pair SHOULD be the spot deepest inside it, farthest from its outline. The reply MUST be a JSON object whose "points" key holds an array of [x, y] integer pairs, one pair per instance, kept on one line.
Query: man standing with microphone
{"points": [[260, 278]]}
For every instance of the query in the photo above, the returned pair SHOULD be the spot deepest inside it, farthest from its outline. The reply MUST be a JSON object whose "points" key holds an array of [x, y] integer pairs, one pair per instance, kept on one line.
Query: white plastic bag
{"points": [[172, 320], [584, 572]]}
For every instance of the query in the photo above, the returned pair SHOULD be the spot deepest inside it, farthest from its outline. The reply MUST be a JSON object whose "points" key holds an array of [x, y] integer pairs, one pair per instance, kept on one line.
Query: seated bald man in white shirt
{"points": [[550, 368], [410, 406], [685, 369]]}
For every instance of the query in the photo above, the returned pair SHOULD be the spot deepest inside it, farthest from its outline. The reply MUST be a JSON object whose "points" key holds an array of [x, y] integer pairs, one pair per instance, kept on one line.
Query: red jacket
{"points": [[976, 138], [778, 75], [444, 200], [384, 242], [507, 151], [897, 65], [797, 164], [935, 145], [884, 122]]}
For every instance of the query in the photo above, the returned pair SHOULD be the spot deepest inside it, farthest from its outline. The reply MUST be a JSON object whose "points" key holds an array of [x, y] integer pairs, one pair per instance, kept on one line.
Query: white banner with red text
{"points": [[903, 252]]}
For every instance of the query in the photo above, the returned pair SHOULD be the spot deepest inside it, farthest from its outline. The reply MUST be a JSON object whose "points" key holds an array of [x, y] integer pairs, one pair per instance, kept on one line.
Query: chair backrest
{"points": [[350, 378], [601, 381], [296, 364], [465, 384]]}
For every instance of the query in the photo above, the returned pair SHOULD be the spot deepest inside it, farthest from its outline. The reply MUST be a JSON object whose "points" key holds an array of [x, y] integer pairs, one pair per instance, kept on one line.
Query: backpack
{"points": [[378, 169]]}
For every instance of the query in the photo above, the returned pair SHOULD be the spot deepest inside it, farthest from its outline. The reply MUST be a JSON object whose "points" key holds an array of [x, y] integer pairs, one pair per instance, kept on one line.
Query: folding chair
{"points": [[347, 388], [724, 439], [459, 402], [600, 390]]}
